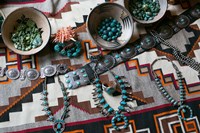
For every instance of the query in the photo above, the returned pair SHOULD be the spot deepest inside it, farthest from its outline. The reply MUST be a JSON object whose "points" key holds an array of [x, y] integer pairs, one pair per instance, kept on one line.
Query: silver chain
{"points": [[177, 53]]}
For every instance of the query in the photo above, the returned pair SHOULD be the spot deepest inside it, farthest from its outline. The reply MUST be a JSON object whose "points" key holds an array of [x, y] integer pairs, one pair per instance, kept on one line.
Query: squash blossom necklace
{"points": [[58, 124], [106, 109], [182, 107]]}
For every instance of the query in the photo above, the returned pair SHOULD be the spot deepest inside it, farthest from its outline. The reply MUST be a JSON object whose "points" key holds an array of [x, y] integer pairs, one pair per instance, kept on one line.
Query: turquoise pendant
{"points": [[59, 126], [118, 118], [184, 108]]}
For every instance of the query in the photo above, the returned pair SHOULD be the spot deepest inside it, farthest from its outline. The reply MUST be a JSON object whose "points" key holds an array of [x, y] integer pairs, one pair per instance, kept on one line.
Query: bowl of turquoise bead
{"points": [[114, 12], [146, 11]]}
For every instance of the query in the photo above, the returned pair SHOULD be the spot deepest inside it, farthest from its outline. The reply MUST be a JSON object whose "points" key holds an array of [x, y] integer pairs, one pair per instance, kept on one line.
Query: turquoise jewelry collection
{"points": [[58, 124], [182, 107]]}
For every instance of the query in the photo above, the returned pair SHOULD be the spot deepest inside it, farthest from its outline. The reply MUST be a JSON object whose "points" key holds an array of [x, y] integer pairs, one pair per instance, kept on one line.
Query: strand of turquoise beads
{"points": [[59, 124], [182, 107], [69, 52], [106, 108]]}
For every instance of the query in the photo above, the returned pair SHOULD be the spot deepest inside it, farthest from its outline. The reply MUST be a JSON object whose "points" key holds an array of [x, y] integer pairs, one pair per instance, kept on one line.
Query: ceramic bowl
{"points": [[11, 20], [2, 17], [117, 12], [161, 13]]}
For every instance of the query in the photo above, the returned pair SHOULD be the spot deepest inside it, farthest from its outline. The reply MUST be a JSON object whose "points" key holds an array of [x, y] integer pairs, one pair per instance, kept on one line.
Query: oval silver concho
{"points": [[32, 74], [49, 70], [147, 42], [128, 52], [182, 21], [13, 73]]}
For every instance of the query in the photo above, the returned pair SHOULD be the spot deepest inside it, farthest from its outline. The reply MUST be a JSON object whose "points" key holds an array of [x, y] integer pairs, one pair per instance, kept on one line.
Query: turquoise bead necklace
{"points": [[59, 124], [71, 52], [181, 105]]}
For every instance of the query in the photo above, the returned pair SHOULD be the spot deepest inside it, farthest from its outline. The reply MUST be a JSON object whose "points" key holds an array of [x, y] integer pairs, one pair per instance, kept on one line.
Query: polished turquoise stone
{"points": [[57, 48], [102, 101], [70, 86], [116, 77], [123, 103], [65, 97], [124, 92], [110, 110], [100, 96], [124, 97], [106, 106], [120, 81], [48, 112], [117, 56], [85, 75], [99, 90], [121, 108], [67, 81], [59, 126], [78, 83], [98, 85], [82, 70]]}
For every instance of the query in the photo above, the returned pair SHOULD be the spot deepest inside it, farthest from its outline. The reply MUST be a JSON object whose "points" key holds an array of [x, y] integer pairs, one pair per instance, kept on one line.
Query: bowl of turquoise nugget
{"points": [[147, 11], [26, 31]]}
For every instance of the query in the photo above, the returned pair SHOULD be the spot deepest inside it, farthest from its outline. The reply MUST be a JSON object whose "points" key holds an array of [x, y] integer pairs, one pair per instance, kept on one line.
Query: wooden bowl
{"points": [[161, 13], [117, 12], [11, 20]]}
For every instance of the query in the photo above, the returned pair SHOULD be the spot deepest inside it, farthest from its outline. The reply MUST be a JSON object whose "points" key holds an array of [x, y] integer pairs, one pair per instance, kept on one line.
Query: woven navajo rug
{"points": [[20, 104]]}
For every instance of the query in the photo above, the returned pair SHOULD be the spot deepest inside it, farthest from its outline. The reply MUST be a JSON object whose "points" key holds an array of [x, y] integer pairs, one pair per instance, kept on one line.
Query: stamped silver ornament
{"points": [[13, 73], [49, 70], [32, 74]]}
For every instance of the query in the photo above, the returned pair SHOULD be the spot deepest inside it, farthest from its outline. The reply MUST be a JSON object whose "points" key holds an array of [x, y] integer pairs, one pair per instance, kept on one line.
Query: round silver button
{"points": [[195, 12], [49, 70], [128, 52], [106, 62], [182, 21], [32, 74], [13, 73], [165, 31], [147, 42]]}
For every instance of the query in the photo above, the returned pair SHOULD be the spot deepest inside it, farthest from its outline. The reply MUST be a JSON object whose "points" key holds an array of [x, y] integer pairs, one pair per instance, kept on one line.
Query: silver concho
{"points": [[32, 74], [182, 21], [147, 42], [195, 12], [165, 31], [106, 62], [49, 70], [13, 73], [128, 52]]}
